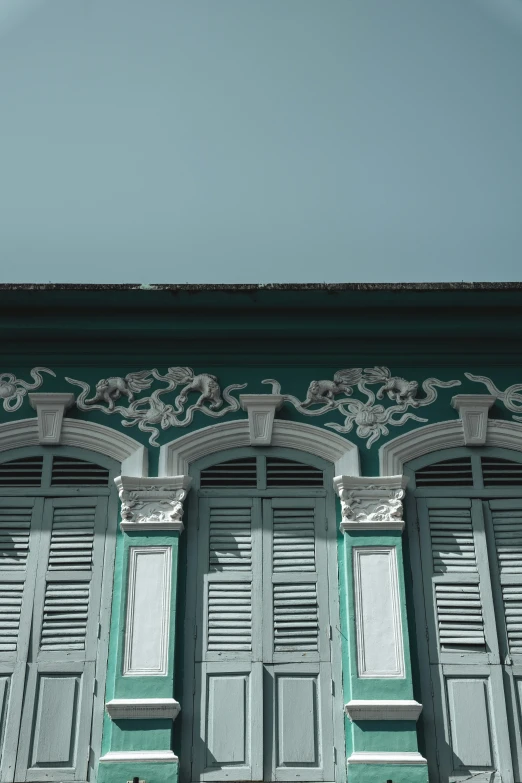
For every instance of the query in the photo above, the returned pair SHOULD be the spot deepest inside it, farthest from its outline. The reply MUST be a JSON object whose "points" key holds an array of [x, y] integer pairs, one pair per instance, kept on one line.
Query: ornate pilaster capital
{"points": [[152, 503], [371, 503]]}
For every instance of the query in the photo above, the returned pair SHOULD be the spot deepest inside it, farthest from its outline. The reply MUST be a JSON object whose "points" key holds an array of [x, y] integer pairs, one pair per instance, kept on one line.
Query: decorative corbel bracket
{"points": [[50, 409], [152, 503], [371, 503], [473, 411], [261, 410]]}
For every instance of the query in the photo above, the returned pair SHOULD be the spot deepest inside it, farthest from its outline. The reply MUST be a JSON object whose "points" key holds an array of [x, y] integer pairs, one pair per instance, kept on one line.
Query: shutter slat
{"points": [[229, 620], [234, 473], [67, 471], [296, 628], [10, 608], [230, 539], [15, 525], [72, 538], [459, 616], [293, 540], [452, 472], [512, 597], [66, 607], [287, 473], [507, 528], [501, 472], [25, 472], [452, 541]]}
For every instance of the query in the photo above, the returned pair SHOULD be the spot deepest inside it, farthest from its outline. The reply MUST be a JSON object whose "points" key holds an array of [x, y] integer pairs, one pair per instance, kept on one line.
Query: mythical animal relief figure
{"points": [[151, 414], [111, 389], [325, 391], [399, 390], [206, 385]]}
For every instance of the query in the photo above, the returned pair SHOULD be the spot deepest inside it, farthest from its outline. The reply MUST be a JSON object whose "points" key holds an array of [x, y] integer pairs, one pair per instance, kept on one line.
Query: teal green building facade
{"points": [[265, 533]]}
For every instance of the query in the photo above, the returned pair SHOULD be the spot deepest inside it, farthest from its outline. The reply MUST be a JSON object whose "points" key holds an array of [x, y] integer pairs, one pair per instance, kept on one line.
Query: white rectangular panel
{"points": [[380, 651], [148, 611]]}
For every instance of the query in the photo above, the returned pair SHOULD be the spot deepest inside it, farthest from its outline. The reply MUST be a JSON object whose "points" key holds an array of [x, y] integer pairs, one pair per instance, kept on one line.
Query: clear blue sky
{"points": [[260, 140]]}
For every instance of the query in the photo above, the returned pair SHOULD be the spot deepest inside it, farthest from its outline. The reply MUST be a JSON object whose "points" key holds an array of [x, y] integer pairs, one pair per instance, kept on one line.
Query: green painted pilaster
{"points": [[151, 518], [371, 524]]}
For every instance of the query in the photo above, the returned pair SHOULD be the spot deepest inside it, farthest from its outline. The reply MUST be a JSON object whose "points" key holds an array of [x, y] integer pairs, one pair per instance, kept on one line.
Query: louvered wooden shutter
{"points": [[506, 522], [228, 650], [20, 521], [64, 641], [296, 638], [448, 544]]}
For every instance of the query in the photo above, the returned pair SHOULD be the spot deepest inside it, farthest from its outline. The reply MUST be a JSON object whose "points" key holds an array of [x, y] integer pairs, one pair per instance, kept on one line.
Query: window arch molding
{"points": [[394, 455], [177, 456], [92, 437]]}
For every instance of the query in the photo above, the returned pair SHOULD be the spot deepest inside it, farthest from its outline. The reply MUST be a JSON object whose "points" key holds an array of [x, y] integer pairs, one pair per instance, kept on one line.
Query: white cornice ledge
{"points": [[134, 709], [261, 410], [371, 503], [474, 411], [383, 709], [50, 410], [143, 756], [152, 503], [392, 757]]}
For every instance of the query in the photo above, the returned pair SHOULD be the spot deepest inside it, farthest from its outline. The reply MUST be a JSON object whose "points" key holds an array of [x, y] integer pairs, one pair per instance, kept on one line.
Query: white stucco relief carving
{"points": [[13, 389], [152, 504], [370, 412], [151, 414], [371, 503], [510, 397], [370, 420]]}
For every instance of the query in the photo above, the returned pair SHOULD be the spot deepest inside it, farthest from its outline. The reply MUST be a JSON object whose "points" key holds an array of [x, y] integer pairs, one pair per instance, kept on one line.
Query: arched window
{"points": [[54, 512], [465, 532]]}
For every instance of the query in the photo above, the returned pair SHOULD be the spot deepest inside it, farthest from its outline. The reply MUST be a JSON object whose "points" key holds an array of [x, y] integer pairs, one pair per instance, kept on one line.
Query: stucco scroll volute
{"points": [[152, 503], [371, 503]]}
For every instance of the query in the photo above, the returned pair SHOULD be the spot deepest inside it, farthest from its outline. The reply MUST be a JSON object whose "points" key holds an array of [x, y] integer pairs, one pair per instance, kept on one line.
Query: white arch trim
{"points": [[176, 456], [83, 434], [442, 435]]}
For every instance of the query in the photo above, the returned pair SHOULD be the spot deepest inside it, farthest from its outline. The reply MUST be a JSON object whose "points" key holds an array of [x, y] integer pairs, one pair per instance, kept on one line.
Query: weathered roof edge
{"points": [[462, 286]]}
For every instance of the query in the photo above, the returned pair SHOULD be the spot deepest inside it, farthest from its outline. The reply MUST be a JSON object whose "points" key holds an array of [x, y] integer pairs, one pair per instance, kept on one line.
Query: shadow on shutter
{"points": [[452, 542]]}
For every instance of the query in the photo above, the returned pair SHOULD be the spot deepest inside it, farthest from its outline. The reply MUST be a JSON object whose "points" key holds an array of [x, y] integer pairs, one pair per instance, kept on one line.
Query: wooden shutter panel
{"points": [[464, 676], [296, 639], [64, 641], [228, 714], [448, 547], [506, 522], [20, 521]]}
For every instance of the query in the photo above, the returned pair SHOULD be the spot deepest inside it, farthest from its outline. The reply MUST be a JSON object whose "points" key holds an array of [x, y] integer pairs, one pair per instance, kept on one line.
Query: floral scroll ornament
{"points": [[371, 420], [13, 389], [511, 397], [136, 509], [151, 413], [355, 508]]}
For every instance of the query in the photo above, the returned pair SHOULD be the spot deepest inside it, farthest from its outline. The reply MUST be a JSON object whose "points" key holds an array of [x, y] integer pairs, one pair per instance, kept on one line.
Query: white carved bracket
{"points": [[261, 410], [383, 709], [474, 411], [134, 709], [50, 409], [371, 503], [152, 503]]}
